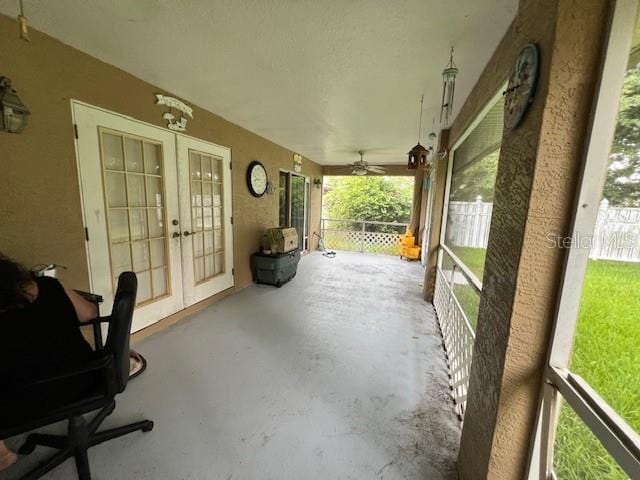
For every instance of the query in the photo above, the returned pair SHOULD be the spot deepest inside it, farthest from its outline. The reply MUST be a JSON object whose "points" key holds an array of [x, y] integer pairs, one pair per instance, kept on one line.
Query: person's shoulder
{"points": [[49, 286], [48, 282]]}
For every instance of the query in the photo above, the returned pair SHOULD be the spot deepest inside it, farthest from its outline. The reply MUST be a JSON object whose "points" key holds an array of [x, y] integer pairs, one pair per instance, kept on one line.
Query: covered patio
{"points": [[339, 374], [179, 144]]}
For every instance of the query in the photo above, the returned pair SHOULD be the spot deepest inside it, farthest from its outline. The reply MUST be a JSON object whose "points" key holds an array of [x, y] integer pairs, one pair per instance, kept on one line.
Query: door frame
{"points": [[620, 440], [176, 274], [306, 241], [194, 293]]}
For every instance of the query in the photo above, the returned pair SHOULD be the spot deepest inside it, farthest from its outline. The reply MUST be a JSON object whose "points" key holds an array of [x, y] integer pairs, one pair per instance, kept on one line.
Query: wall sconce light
{"points": [[14, 112], [317, 182]]}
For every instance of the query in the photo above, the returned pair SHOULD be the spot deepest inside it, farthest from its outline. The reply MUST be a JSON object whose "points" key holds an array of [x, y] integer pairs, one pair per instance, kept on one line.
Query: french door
{"points": [[142, 212], [205, 205]]}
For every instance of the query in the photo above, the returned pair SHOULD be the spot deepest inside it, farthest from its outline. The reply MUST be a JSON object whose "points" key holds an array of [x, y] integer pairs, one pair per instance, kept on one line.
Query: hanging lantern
{"points": [[418, 154], [418, 157], [13, 113], [448, 90]]}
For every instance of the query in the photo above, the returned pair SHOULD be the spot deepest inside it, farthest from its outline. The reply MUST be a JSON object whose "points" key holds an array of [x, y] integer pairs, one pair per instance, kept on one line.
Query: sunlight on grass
{"points": [[607, 355]]}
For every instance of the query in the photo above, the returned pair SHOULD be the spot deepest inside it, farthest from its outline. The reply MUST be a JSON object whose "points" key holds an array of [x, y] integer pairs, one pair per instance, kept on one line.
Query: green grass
{"points": [[607, 355], [469, 301], [473, 258]]}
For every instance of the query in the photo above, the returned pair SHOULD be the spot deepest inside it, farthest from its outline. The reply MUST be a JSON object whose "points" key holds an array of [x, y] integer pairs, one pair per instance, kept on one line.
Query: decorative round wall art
{"points": [[521, 87]]}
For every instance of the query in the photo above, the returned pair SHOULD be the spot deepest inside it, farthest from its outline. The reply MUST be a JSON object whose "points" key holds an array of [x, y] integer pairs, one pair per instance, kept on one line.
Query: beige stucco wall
{"points": [[537, 176], [40, 207]]}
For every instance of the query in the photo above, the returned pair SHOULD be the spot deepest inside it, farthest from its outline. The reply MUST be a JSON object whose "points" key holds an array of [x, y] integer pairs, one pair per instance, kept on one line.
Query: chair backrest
{"points": [[120, 326]]}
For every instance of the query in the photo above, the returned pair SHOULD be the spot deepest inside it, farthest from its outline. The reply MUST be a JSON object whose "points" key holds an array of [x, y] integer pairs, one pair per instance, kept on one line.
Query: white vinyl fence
{"points": [[468, 223], [616, 235]]}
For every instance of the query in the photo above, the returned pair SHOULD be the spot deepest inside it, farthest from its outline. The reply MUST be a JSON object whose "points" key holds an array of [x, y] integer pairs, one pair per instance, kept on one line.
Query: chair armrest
{"points": [[102, 363], [97, 331], [96, 321], [91, 297]]}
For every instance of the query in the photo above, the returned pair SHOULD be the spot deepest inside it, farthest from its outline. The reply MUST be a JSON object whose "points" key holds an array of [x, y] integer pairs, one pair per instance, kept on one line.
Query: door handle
{"points": [[175, 235], [187, 233]]}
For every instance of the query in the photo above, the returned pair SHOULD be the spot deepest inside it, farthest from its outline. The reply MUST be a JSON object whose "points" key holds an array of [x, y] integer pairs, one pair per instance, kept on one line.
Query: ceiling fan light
{"points": [[360, 171]]}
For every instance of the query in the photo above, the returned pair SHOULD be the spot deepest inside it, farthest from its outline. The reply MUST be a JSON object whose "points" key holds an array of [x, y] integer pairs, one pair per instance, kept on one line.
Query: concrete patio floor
{"points": [[339, 374]]}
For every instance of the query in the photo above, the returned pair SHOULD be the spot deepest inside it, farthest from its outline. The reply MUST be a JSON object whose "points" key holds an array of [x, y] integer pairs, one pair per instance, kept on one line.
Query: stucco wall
{"points": [[536, 181], [40, 202]]}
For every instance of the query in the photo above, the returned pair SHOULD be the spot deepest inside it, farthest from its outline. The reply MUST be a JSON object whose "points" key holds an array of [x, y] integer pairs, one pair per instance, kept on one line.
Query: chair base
{"points": [[81, 436]]}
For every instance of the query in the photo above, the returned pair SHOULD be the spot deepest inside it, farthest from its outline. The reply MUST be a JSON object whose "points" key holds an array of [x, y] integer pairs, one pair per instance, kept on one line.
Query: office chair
{"points": [[112, 365]]}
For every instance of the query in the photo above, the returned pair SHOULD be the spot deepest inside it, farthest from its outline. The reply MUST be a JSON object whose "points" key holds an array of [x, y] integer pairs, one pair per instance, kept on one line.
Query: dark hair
{"points": [[13, 280]]}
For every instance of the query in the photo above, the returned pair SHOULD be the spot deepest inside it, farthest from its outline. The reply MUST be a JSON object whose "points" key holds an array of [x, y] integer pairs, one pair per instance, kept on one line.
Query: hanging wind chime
{"points": [[418, 154], [448, 90]]}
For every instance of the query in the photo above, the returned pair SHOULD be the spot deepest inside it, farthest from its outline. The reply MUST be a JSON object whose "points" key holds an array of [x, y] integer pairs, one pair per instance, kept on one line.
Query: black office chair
{"points": [[113, 366]]}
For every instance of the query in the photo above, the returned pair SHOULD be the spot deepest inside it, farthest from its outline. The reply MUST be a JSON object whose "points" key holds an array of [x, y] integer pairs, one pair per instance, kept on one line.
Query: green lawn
{"points": [[469, 301], [473, 258], [607, 355]]}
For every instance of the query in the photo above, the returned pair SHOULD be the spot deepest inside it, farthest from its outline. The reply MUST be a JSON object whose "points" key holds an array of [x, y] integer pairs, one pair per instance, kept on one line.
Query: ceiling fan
{"points": [[361, 167]]}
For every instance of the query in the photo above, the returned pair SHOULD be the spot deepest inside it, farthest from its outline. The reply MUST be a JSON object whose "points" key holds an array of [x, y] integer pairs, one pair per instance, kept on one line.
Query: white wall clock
{"points": [[257, 179]]}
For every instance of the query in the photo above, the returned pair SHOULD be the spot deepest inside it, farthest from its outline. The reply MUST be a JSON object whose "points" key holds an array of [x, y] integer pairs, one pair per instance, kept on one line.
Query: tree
{"points": [[376, 198], [622, 187], [478, 178]]}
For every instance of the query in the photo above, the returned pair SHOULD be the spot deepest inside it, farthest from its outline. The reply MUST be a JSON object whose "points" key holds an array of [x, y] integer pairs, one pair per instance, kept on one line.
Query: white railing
{"points": [[366, 236], [616, 236], [457, 336]]}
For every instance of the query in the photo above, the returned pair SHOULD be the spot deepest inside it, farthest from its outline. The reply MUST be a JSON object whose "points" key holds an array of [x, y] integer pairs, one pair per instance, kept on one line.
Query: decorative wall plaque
{"points": [[180, 124], [521, 87]]}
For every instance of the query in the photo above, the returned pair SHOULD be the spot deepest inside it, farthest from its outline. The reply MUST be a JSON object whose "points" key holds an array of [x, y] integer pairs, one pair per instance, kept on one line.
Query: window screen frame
{"points": [[473, 280], [617, 437]]}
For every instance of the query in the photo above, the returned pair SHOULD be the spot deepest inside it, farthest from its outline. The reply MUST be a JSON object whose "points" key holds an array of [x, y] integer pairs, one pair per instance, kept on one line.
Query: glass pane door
{"points": [[134, 196], [204, 172], [298, 207], [127, 172], [283, 198], [207, 212]]}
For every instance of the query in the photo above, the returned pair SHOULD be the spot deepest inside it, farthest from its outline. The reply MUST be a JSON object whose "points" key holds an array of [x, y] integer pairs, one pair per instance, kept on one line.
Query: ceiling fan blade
{"points": [[377, 169]]}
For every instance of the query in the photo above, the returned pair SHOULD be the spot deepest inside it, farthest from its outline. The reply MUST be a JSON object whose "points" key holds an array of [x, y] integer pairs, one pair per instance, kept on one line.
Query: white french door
{"points": [[141, 216], [204, 172]]}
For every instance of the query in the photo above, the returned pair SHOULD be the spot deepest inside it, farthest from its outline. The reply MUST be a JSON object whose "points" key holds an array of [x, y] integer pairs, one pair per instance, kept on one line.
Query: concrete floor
{"points": [[337, 375]]}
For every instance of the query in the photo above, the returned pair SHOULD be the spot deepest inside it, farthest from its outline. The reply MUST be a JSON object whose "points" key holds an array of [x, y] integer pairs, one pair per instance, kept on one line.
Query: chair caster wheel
{"points": [[148, 427], [27, 448]]}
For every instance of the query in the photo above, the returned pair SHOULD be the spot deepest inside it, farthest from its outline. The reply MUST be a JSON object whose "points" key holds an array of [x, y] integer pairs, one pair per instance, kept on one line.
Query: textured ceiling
{"points": [[321, 77]]}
